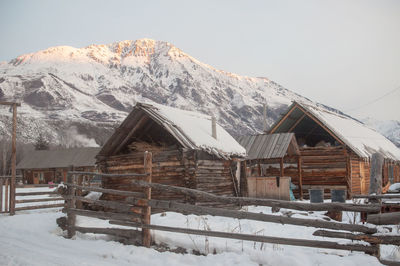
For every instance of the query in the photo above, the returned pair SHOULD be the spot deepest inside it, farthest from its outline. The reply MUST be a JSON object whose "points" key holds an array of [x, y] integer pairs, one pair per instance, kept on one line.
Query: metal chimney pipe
{"points": [[214, 127], [265, 117]]}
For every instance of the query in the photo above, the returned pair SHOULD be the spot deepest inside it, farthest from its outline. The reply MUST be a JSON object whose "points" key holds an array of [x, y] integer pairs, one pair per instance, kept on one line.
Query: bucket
{"points": [[338, 195], [316, 195]]}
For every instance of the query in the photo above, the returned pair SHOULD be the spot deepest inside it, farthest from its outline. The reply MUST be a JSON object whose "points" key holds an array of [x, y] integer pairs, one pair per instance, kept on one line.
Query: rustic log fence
{"points": [[134, 211], [46, 196], [112, 210]]}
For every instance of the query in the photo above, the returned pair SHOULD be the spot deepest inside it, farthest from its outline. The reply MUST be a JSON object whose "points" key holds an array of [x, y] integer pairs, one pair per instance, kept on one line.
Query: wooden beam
{"points": [[148, 168], [373, 239], [202, 210], [272, 130], [264, 239], [10, 103], [263, 202], [58, 205], [297, 122], [13, 159], [143, 119], [299, 170]]}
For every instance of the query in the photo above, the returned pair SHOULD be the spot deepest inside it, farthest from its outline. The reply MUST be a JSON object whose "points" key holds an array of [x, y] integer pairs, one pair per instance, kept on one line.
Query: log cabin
{"points": [[335, 149], [271, 159], [44, 166], [188, 150]]}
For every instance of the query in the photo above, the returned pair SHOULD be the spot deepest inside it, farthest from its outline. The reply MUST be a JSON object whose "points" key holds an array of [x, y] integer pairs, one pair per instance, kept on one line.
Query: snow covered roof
{"points": [[191, 130], [361, 139], [77, 157]]}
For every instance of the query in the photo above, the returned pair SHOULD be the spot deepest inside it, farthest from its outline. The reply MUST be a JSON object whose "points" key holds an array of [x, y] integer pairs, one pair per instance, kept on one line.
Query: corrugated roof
{"points": [[191, 130], [77, 157], [266, 146]]}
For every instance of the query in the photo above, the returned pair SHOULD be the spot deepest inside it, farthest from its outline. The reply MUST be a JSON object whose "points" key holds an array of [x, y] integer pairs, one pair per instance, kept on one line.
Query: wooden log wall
{"points": [[168, 168], [216, 177], [175, 168], [324, 166]]}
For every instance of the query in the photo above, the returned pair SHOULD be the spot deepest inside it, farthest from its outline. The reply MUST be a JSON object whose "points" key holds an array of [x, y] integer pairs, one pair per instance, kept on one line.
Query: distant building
{"points": [[335, 149], [44, 166]]}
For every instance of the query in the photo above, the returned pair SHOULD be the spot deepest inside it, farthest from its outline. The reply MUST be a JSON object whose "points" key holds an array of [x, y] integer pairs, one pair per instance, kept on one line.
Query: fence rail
{"points": [[135, 209]]}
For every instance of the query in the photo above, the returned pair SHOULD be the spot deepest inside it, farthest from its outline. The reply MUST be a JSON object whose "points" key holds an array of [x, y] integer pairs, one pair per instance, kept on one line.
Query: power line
{"points": [[373, 101]]}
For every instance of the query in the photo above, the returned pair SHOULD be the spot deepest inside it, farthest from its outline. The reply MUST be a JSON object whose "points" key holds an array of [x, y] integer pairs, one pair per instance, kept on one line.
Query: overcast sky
{"points": [[345, 54]]}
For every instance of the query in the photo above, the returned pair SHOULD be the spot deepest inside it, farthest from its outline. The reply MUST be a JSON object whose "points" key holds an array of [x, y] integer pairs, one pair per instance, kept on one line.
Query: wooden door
{"points": [[36, 177]]}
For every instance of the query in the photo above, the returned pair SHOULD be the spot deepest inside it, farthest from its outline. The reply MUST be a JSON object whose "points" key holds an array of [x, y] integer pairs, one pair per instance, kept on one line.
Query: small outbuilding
{"points": [[335, 149], [44, 166], [272, 160], [188, 150]]}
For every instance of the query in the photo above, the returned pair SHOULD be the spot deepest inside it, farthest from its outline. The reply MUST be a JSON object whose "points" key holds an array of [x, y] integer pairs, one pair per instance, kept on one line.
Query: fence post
{"points": [[71, 217], [148, 165], [1, 195], [78, 191], [6, 186]]}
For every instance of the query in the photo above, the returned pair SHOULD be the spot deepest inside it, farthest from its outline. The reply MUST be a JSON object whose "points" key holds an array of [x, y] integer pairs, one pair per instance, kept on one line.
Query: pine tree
{"points": [[41, 143]]}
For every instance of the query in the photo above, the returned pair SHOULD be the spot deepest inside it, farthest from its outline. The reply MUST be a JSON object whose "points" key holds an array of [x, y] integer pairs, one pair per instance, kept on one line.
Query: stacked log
{"points": [[324, 167], [171, 167]]}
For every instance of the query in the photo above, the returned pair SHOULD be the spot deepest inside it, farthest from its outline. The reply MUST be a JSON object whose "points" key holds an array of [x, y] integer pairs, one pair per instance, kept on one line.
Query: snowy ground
{"points": [[33, 238]]}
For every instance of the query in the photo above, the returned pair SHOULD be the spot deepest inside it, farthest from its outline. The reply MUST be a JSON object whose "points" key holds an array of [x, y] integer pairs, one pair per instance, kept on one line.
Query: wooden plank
{"points": [[106, 175], [110, 191], [256, 238], [71, 218], [252, 186], [373, 239], [107, 215], [58, 205], [13, 180], [38, 200], [384, 218], [36, 193], [199, 210], [299, 170], [126, 233], [263, 202], [148, 166], [381, 196], [118, 206], [6, 196]]}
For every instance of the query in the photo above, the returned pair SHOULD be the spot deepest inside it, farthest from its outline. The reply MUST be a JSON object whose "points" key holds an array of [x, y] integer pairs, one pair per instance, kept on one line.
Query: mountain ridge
{"points": [[93, 88]]}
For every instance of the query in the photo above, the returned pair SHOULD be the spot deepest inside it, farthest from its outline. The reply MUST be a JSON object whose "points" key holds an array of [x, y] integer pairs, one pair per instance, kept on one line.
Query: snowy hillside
{"points": [[93, 89], [388, 128]]}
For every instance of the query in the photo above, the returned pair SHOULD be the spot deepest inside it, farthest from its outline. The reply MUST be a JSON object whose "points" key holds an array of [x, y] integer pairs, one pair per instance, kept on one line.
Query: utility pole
{"points": [[13, 154]]}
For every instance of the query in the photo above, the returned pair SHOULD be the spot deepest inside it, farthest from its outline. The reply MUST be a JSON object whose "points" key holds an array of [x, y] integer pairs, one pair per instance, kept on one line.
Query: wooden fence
{"points": [[134, 209], [7, 202]]}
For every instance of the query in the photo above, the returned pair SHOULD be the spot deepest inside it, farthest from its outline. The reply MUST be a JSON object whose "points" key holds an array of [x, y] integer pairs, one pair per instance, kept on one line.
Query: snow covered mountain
{"points": [[388, 128], [92, 89]]}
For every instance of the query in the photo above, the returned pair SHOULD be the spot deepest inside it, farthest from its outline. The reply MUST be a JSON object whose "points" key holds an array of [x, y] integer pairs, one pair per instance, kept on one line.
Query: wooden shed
{"points": [[336, 149], [185, 152], [270, 156], [44, 166]]}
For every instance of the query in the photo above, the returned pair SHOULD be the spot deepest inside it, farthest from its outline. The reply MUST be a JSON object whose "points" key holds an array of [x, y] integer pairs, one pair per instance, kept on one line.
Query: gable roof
{"points": [[268, 146], [190, 129], [77, 157], [361, 139]]}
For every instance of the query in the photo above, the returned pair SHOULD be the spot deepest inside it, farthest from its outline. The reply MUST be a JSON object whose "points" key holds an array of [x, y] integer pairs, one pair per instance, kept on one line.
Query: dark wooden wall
{"points": [[172, 167]]}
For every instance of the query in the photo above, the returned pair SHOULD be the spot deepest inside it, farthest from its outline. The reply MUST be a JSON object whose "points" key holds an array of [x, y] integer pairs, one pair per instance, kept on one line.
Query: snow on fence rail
{"points": [[135, 211]]}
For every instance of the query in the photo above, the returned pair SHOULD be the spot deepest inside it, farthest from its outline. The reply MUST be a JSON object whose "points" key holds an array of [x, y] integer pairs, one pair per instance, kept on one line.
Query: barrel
{"points": [[338, 195], [316, 195]]}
